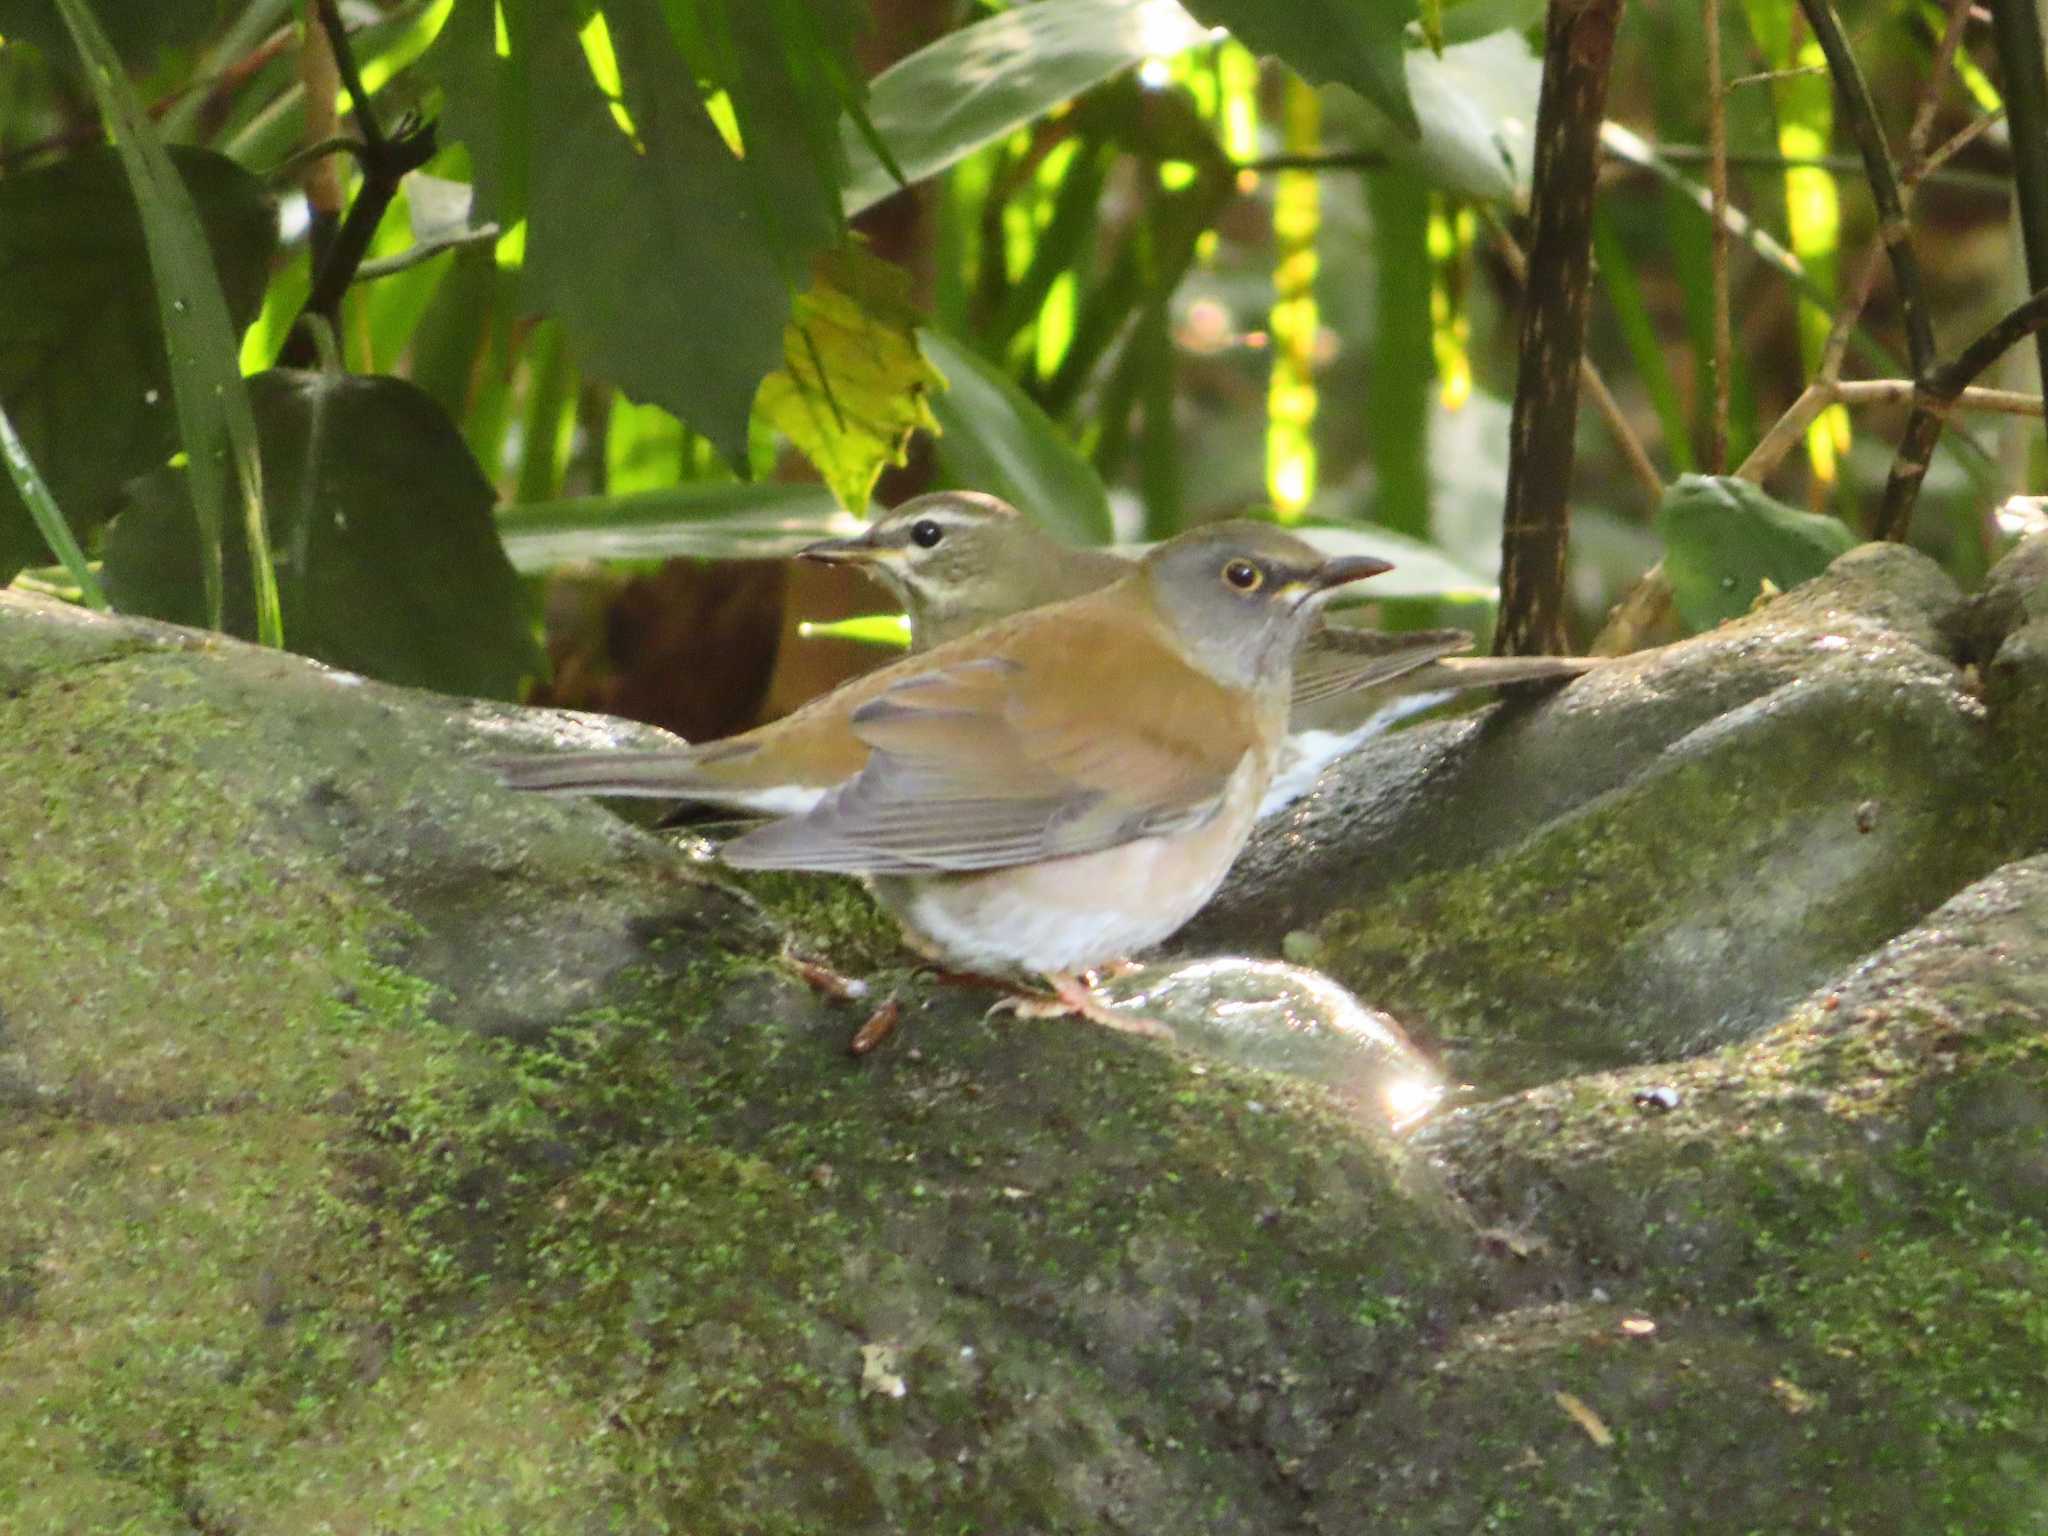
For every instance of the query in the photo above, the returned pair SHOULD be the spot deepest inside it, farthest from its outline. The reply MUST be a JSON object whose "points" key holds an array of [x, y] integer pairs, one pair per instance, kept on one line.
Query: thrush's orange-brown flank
{"points": [[1053, 791]]}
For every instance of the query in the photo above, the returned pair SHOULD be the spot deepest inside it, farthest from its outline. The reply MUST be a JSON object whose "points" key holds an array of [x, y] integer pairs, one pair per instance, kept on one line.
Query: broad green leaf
{"points": [[215, 427], [138, 29], [49, 517], [1420, 570], [1332, 42], [705, 521], [644, 232], [853, 385], [389, 560], [83, 371], [996, 440], [978, 84], [785, 65], [1481, 18], [1723, 538], [1475, 107]]}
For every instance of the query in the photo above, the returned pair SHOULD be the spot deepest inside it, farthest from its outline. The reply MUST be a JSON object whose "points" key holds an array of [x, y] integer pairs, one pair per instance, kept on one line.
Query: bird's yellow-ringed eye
{"points": [[924, 533], [1243, 575]]}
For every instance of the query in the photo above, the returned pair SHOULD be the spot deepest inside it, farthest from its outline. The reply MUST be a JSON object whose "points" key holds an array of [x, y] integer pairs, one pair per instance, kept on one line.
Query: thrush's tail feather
{"points": [[1337, 660], [1495, 671], [695, 773]]}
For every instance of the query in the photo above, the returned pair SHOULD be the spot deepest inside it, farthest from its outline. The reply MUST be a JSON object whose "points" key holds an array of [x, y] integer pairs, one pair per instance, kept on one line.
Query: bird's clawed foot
{"points": [[1070, 995]]}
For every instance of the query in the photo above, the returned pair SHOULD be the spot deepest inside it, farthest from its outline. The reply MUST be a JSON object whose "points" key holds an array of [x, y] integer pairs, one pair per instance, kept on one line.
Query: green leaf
{"points": [[49, 518], [1420, 570], [214, 424], [390, 562], [704, 521], [1333, 42], [647, 241], [996, 440], [853, 385], [138, 29], [891, 630], [83, 370], [1723, 538], [978, 84], [1480, 18], [1475, 106]]}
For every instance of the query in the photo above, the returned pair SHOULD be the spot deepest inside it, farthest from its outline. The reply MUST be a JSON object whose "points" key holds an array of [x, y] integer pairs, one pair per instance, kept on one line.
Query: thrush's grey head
{"points": [[1241, 595], [956, 560]]}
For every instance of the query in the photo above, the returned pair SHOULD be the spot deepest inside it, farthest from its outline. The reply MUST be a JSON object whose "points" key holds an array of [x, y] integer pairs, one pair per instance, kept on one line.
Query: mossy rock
{"points": [[1664, 855], [385, 1151], [1839, 1230]]}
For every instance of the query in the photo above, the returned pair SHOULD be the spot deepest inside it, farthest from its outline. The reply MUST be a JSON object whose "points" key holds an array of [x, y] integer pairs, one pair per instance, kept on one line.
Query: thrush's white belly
{"points": [[1074, 913], [782, 800]]}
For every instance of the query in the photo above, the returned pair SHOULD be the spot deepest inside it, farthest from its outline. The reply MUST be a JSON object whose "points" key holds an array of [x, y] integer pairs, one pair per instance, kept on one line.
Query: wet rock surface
{"points": [[381, 1150]]}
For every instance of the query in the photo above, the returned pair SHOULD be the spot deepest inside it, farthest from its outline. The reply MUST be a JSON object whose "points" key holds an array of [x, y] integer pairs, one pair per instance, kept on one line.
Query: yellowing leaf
{"points": [[1595, 1427], [853, 384]]}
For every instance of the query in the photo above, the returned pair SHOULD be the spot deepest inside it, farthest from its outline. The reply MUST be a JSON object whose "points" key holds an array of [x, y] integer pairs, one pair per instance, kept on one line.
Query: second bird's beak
{"points": [[1336, 572], [859, 550]]}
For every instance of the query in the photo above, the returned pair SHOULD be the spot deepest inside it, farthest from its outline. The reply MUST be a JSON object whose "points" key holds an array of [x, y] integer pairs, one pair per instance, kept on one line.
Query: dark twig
{"points": [[1883, 176], [1936, 396], [1578, 47], [1770, 160], [1717, 193], [1333, 160], [2017, 29], [387, 160]]}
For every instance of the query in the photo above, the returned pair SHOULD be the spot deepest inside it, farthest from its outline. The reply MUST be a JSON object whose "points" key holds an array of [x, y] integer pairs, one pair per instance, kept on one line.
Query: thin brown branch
{"points": [[1578, 49], [1824, 389], [1930, 97], [1854, 93], [1934, 400], [1767, 76], [1717, 193], [1962, 139], [1789, 428], [386, 161]]}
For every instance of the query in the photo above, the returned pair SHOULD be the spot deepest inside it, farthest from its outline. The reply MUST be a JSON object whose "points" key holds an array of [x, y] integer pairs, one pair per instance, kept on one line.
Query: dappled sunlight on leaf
{"points": [[853, 385]]}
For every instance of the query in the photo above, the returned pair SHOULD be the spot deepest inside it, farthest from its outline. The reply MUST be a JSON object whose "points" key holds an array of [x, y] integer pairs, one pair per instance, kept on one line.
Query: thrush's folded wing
{"points": [[981, 766], [1336, 660]]}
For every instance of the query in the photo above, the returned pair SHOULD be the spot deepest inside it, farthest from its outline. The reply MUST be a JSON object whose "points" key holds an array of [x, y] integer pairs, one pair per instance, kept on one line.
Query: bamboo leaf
{"points": [[49, 518], [705, 521], [985, 81], [1336, 42], [214, 418], [998, 441], [83, 368]]}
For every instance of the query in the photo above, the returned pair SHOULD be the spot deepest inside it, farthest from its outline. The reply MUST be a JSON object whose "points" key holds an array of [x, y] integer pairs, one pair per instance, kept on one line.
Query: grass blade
{"points": [[214, 418], [42, 506]]}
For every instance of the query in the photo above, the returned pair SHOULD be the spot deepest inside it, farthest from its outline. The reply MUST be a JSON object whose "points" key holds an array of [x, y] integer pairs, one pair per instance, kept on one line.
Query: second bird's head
{"points": [[950, 555]]}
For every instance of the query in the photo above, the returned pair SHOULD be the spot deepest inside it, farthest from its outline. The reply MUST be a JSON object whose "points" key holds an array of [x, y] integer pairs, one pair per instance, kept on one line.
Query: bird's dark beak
{"points": [[1341, 569], [855, 551]]}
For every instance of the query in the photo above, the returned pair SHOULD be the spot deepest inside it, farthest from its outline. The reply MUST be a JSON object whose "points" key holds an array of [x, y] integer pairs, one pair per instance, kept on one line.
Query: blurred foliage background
{"points": [[509, 346]]}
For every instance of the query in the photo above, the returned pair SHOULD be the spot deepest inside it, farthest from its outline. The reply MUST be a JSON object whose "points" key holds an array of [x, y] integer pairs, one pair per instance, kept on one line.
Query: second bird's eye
{"points": [[1243, 575], [924, 533]]}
